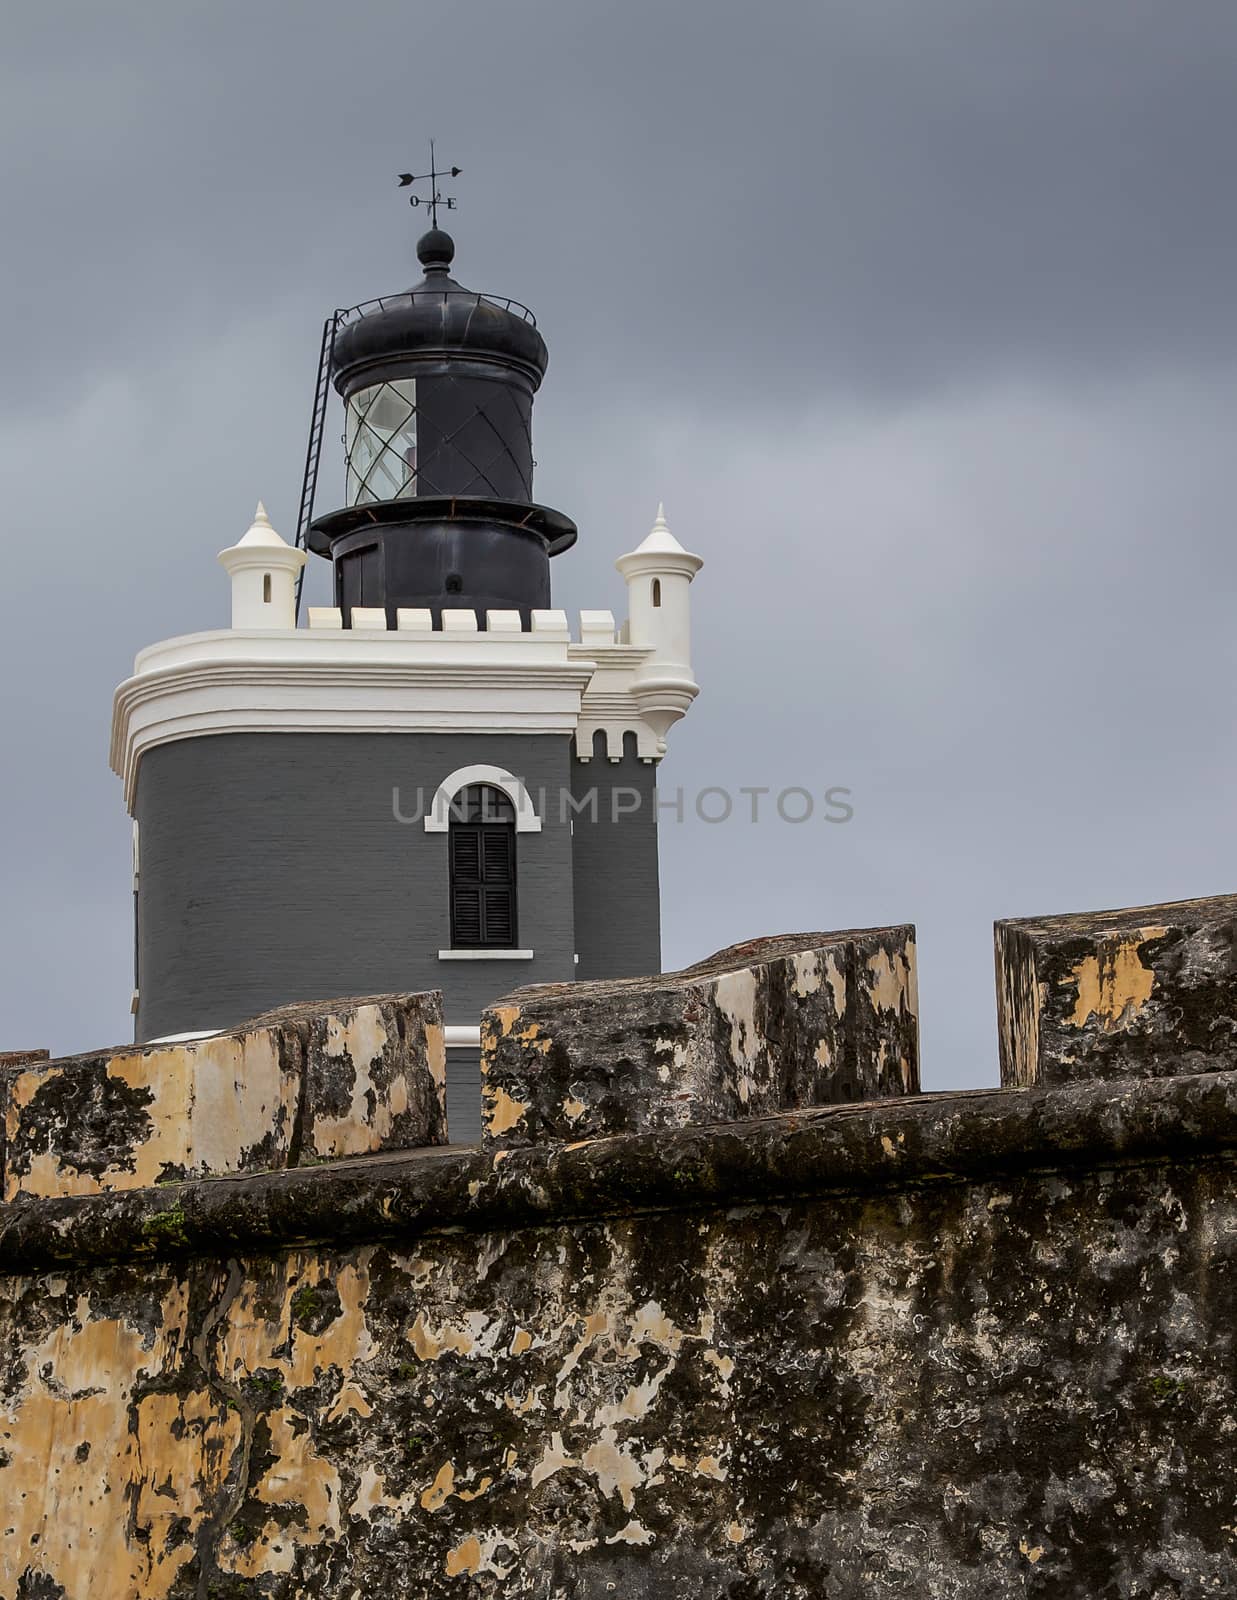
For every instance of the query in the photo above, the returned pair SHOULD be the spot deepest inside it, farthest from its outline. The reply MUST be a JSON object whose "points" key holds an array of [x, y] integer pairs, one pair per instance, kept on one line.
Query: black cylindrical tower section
{"points": [[438, 386]]}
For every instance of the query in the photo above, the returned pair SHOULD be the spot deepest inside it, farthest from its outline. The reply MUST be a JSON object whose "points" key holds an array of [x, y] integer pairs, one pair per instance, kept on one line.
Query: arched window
{"points": [[657, 591], [481, 848]]}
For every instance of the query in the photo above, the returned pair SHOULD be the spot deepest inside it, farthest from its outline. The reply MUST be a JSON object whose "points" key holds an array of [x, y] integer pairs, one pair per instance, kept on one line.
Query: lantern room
{"points": [[438, 384]]}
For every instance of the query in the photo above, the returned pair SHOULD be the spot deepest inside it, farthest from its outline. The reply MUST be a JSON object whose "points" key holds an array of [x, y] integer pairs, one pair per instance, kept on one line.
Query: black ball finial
{"points": [[435, 250]]}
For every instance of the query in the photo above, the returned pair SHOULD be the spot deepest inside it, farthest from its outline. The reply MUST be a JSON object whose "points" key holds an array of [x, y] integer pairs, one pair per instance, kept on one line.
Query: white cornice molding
{"points": [[329, 648], [237, 681], [612, 702], [377, 681]]}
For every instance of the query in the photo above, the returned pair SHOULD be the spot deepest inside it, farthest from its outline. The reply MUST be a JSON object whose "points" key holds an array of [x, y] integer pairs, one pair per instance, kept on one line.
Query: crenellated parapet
{"points": [[456, 673], [719, 1299]]}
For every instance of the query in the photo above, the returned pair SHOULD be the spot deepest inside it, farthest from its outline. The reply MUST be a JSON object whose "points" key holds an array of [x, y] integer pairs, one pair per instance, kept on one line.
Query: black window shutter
{"points": [[466, 854], [496, 844], [482, 867], [467, 919], [499, 921]]}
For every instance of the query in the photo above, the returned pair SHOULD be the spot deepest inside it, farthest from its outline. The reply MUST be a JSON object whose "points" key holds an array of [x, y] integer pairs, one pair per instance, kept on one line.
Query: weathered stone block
{"points": [[10, 1061], [1148, 991], [335, 1078], [771, 1025]]}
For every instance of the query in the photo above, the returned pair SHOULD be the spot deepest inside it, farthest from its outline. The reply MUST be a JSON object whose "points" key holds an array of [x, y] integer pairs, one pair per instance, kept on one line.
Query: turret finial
{"points": [[435, 250], [660, 537]]}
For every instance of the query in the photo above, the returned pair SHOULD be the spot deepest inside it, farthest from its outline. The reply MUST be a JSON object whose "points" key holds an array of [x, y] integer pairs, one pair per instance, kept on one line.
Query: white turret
{"points": [[263, 569], [658, 575]]}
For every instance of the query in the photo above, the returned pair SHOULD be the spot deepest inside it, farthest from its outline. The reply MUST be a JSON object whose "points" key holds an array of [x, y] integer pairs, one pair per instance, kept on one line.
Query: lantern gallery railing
{"points": [[343, 318]]}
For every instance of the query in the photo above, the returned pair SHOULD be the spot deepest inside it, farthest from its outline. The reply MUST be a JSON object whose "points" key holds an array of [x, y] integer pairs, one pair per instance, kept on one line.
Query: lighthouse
{"points": [[436, 782]]}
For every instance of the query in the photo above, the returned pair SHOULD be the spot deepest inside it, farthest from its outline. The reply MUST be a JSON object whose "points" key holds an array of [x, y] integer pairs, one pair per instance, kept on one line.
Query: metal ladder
{"points": [[313, 453]]}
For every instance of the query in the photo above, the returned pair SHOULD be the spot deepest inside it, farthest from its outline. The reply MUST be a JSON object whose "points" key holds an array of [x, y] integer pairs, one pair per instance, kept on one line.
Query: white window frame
{"points": [[438, 817]]}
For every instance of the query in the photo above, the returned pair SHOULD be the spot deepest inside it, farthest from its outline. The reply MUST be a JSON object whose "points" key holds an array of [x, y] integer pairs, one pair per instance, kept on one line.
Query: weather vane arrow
{"points": [[433, 199]]}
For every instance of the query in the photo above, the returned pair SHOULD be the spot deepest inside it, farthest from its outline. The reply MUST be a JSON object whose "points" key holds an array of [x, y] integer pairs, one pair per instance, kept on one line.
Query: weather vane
{"points": [[433, 199]]}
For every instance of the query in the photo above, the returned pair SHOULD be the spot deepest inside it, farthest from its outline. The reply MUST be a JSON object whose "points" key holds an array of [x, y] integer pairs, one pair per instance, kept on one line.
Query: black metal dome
{"points": [[437, 315]]}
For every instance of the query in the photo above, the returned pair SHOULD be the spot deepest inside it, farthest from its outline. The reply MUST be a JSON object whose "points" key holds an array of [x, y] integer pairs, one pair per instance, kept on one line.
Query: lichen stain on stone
{"points": [[194, 1440], [724, 1365], [1114, 986], [502, 1111], [894, 984], [476, 1555], [23, 1086], [207, 1104], [651, 1324], [359, 1037], [735, 996], [432, 1344], [673, 1057], [441, 1490], [632, 1532], [350, 1400], [45, 1176], [466, 1557], [618, 1469], [521, 1406], [808, 977], [299, 1482], [478, 1336], [62, 1510], [636, 1403], [595, 1324], [211, 1102], [261, 1335], [836, 976], [436, 1053], [475, 1494], [360, 1034], [505, 1016], [253, 1341]]}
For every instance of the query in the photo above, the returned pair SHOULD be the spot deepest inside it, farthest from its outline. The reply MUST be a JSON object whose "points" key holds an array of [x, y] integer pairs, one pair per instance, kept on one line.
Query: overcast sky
{"points": [[920, 315]]}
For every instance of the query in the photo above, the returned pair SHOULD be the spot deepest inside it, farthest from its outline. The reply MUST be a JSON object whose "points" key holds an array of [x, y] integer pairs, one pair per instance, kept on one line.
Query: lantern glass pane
{"points": [[380, 442]]}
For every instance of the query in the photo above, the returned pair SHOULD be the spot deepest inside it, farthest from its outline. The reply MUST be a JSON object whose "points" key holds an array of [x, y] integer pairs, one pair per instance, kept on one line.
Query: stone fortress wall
{"points": [[720, 1305]]}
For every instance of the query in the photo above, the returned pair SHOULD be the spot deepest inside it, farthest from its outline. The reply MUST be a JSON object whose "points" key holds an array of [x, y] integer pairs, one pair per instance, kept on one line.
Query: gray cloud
{"points": [[920, 318], [859, 197]]}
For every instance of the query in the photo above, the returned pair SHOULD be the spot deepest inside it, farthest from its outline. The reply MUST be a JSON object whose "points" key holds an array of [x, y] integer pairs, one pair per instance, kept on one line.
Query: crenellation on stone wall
{"points": [[775, 1024], [1150, 989], [301, 1084]]}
